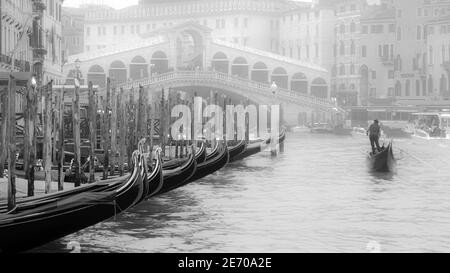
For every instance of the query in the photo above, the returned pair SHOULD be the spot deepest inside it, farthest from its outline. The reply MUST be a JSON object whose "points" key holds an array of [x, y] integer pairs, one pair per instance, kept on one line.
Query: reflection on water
{"points": [[319, 196]]}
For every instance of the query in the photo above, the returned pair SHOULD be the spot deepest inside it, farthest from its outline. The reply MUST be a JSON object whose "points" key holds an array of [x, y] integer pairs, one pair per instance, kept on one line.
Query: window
{"points": [[391, 28], [365, 29], [291, 52], [374, 75], [399, 34], [352, 27], [122, 30], [352, 69], [138, 30], [317, 50], [419, 33], [99, 31], [342, 28], [217, 23], [373, 92], [342, 70], [115, 30], [407, 88], [363, 51], [391, 74], [236, 22], [342, 48], [399, 13], [223, 23], [353, 48], [376, 28], [132, 29]]}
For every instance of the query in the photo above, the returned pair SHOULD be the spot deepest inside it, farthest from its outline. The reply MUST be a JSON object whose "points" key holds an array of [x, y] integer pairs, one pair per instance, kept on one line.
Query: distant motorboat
{"points": [[321, 128]]}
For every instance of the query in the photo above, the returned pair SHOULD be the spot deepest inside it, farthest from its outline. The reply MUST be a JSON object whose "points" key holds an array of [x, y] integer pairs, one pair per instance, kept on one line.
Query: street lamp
{"points": [[273, 87], [77, 76], [152, 65]]}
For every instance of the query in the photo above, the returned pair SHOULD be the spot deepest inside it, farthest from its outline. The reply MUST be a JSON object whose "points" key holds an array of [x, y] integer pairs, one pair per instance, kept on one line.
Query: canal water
{"points": [[317, 196]]}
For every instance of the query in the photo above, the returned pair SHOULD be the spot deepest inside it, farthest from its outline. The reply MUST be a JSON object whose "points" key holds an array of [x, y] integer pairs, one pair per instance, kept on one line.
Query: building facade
{"points": [[15, 20], [31, 35], [72, 30], [384, 52]]}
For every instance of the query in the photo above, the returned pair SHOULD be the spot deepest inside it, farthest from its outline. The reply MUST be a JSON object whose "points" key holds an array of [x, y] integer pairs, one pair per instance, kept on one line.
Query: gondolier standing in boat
{"points": [[374, 133]]}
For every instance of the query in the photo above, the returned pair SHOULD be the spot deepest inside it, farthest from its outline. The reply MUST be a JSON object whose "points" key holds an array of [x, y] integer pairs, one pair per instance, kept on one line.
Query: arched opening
{"points": [[319, 88], [220, 62], [189, 50], [138, 68], [159, 63], [280, 77], [260, 73], [70, 79], [364, 83], [97, 76], [299, 83], [418, 88], [240, 68], [118, 71], [443, 86], [430, 85], [398, 89], [408, 88], [424, 87]]}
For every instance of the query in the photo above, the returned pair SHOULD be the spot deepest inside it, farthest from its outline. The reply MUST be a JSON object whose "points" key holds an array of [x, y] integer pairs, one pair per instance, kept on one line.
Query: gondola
{"points": [[257, 147], [213, 164], [200, 157], [24, 230], [175, 178], [383, 161], [237, 149]]}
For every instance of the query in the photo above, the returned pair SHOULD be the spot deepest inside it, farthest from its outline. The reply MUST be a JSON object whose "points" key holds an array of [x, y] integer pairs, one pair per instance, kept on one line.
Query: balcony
{"points": [[19, 65], [39, 54], [385, 60], [446, 66]]}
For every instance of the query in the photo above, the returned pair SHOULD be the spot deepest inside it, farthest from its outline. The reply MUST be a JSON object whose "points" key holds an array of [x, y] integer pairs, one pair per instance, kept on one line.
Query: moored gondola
{"points": [[256, 147], [382, 161], [26, 229], [200, 156], [213, 164], [175, 178]]}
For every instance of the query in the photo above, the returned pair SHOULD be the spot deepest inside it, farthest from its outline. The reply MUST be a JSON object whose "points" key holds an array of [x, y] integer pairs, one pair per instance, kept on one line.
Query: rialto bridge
{"points": [[187, 57]]}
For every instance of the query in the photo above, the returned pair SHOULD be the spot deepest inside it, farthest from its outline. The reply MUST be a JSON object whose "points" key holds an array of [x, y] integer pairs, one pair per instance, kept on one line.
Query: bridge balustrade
{"points": [[236, 82]]}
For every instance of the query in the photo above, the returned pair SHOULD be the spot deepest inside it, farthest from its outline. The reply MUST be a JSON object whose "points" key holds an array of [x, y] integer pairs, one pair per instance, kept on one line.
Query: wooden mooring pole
{"points": [[11, 125], [61, 142], [92, 132], [76, 134], [113, 158], [106, 137], [48, 137], [4, 134], [123, 131]]}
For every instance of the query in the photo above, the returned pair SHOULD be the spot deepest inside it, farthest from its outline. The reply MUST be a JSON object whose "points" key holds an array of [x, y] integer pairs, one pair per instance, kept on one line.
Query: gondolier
{"points": [[374, 133]]}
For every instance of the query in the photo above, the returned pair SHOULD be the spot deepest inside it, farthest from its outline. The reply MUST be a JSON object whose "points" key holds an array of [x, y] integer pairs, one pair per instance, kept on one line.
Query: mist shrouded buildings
{"points": [[377, 53]]}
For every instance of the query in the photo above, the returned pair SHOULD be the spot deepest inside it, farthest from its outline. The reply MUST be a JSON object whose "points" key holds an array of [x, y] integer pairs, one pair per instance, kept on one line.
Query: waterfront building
{"points": [[72, 30], [15, 20]]}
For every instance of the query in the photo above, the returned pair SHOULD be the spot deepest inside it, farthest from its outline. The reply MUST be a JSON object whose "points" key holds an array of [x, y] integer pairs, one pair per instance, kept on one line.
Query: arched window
{"points": [[418, 88], [342, 69], [398, 89], [352, 48], [342, 28], [352, 27], [407, 88], [352, 69]]}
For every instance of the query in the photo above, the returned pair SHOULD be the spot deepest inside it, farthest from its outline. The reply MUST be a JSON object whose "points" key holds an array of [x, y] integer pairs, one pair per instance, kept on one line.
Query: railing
{"points": [[269, 55], [20, 65], [182, 8], [130, 45], [263, 89]]}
